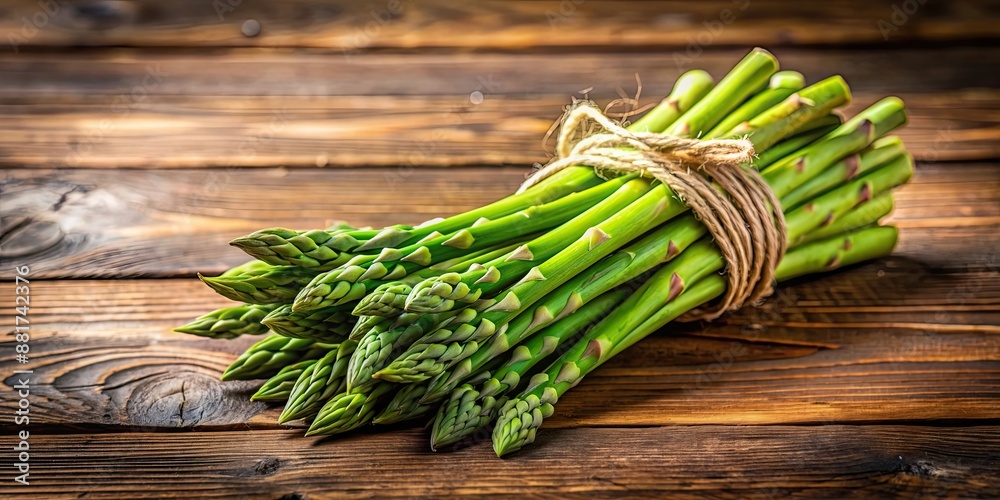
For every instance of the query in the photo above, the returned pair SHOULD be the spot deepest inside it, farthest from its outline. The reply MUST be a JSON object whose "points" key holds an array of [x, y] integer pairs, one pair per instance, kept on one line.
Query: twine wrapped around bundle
{"points": [[735, 204]]}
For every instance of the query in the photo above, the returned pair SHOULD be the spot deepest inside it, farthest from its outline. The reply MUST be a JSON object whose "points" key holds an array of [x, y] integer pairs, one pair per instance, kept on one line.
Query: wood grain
{"points": [[679, 462], [856, 346], [224, 132], [353, 26], [262, 73], [134, 223], [138, 137], [133, 109]]}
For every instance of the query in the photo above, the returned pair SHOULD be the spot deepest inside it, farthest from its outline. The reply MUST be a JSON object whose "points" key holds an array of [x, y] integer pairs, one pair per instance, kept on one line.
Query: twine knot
{"points": [[735, 204]]}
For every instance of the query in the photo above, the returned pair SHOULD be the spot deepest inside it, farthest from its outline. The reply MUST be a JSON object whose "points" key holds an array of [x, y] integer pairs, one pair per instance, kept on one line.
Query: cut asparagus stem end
{"points": [[688, 90], [745, 79], [787, 79]]}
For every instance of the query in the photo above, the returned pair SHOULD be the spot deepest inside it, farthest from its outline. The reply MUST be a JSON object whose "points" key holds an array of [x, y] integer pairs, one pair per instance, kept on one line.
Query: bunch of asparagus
{"points": [[488, 317]]}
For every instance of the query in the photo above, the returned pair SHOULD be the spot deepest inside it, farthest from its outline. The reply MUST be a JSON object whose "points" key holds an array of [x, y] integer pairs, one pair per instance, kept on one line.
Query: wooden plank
{"points": [[129, 223], [127, 108], [198, 132], [855, 346], [676, 462], [903, 291], [353, 26], [167, 222], [268, 73]]}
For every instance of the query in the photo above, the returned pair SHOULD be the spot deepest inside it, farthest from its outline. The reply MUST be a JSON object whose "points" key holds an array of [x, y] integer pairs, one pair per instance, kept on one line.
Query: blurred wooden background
{"points": [[138, 137]]}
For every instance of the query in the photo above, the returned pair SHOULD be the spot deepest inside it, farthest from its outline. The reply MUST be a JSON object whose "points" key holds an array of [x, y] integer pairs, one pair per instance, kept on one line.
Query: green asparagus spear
{"points": [[389, 298], [268, 356], [832, 205], [317, 383], [876, 155], [267, 285], [647, 311], [367, 323], [407, 403], [469, 409], [865, 214], [349, 410], [520, 417], [632, 261], [377, 348], [688, 90], [799, 109], [316, 249], [569, 181], [833, 253], [617, 215], [825, 209], [279, 387], [245, 267], [445, 347], [793, 224], [386, 300], [323, 250], [331, 324], [817, 129], [851, 137], [361, 274], [782, 85], [441, 349], [748, 77], [229, 322], [404, 405]]}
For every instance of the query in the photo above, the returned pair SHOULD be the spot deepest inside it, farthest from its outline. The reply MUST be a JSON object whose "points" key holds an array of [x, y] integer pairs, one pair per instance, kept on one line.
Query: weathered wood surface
{"points": [[878, 380], [883, 342], [134, 109], [136, 223], [725, 462], [262, 73], [331, 131], [352, 26]]}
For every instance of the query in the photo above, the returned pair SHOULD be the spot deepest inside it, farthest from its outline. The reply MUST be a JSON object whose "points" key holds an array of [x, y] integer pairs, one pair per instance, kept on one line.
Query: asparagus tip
{"points": [[245, 242]]}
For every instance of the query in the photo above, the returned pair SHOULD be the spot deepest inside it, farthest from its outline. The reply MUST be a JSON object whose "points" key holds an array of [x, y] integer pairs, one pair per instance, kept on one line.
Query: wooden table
{"points": [[131, 160]]}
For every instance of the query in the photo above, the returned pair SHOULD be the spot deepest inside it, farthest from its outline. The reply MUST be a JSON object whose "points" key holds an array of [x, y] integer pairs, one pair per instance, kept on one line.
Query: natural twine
{"points": [[733, 202]]}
